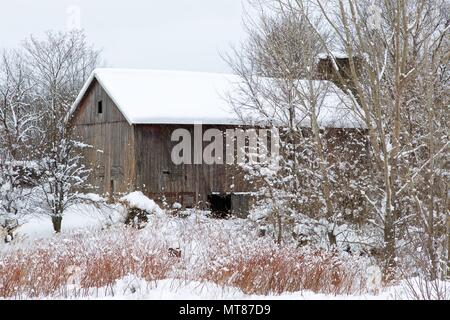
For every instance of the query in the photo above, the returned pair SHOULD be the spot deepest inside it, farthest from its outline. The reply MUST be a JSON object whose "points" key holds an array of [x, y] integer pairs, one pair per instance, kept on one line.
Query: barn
{"points": [[129, 116]]}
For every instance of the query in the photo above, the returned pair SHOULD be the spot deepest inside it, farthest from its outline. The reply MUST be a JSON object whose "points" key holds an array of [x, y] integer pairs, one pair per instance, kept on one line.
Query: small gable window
{"points": [[100, 107]]}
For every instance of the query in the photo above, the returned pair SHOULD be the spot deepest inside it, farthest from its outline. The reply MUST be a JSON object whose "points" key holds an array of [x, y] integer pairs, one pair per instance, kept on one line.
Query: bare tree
{"points": [[278, 67], [18, 122], [60, 64], [398, 66], [396, 75]]}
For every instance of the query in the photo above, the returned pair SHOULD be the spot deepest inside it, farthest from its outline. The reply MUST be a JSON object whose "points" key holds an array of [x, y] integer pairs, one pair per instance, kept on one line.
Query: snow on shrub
{"points": [[138, 208], [177, 206], [137, 200]]}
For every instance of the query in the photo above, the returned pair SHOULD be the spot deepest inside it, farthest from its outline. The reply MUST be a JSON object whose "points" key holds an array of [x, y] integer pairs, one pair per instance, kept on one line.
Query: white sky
{"points": [[153, 34]]}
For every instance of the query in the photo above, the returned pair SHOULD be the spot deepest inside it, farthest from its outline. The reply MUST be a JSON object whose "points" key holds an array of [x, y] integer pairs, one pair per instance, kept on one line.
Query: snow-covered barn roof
{"points": [[174, 97], [334, 54]]}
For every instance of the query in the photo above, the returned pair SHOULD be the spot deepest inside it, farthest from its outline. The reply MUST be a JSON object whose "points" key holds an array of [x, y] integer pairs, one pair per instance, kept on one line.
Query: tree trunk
{"points": [[280, 228], [389, 249], [332, 238], [57, 220], [448, 247]]}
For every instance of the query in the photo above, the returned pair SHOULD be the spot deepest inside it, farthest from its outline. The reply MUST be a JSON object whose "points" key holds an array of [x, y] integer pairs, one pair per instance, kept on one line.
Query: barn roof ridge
{"points": [[183, 97]]}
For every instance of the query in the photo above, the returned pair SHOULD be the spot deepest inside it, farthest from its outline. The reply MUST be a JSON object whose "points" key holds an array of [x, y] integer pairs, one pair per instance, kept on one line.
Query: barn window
{"points": [[100, 107]]}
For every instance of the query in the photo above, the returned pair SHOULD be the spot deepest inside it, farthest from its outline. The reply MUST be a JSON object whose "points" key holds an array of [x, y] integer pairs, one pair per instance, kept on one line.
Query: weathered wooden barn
{"points": [[128, 116]]}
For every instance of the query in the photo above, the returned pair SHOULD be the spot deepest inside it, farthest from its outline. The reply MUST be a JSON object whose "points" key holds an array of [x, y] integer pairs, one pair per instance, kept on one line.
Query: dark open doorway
{"points": [[220, 204]]}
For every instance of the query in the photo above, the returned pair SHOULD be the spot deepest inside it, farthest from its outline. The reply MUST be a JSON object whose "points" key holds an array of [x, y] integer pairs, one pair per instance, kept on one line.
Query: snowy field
{"points": [[179, 255]]}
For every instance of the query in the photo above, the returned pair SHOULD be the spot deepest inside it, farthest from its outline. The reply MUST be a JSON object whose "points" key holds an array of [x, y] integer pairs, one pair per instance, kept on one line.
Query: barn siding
{"points": [[157, 176], [112, 138]]}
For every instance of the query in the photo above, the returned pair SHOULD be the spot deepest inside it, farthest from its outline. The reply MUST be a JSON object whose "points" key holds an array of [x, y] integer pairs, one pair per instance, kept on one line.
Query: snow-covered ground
{"points": [[133, 288], [207, 249], [77, 218]]}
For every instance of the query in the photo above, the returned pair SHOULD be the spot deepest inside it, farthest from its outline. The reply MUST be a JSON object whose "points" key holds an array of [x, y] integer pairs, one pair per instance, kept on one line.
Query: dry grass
{"points": [[97, 262], [265, 270], [73, 265]]}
